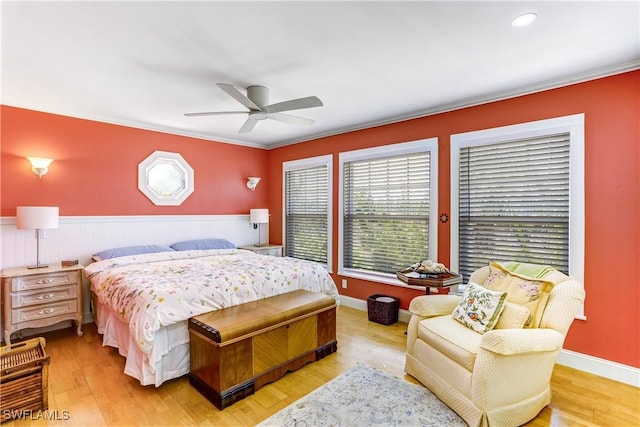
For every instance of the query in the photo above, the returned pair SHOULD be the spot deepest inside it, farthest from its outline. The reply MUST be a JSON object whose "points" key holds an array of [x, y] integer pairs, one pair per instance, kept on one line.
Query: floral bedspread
{"points": [[151, 291]]}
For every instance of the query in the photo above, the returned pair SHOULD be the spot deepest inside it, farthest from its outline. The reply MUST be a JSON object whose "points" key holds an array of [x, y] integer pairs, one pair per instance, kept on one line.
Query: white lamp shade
{"points": [[252, 183], [36, 217], [259, 216], [40, 162]]}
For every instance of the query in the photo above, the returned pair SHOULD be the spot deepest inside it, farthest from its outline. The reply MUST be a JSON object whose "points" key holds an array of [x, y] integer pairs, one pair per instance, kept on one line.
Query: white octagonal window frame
{"points": [[165, 178]]}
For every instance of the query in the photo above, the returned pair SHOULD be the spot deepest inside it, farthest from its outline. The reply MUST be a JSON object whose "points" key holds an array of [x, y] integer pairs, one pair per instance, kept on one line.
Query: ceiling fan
{"points": [[257, 101]]}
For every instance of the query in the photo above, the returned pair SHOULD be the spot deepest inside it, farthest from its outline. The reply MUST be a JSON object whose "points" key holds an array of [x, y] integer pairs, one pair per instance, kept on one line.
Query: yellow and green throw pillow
{"points": [[531, 292]]}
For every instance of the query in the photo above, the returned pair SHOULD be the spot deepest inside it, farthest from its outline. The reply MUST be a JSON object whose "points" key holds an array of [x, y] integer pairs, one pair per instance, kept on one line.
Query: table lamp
{"points": [[37, 218], [258, 217]]}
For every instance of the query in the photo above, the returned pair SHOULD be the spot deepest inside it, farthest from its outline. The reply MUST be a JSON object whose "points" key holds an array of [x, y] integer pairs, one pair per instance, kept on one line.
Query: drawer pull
{"points": [[47, 311], [47, 296], [44, 281]]}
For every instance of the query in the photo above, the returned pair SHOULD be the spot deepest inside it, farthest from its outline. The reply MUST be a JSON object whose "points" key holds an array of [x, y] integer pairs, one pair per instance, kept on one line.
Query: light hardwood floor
{"points": [[87, 380]]}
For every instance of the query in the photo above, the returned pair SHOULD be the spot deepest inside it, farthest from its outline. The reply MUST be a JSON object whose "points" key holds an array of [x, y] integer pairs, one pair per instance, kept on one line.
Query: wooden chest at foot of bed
{"points": [[237, 350]]}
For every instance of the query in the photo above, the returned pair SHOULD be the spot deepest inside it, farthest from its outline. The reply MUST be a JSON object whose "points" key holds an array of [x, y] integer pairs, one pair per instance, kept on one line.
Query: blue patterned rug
{"points": [[364, 396]]}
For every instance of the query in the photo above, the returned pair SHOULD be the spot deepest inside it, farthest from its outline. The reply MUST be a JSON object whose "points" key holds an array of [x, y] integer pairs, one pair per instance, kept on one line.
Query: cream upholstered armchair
{"points": [[492, 363]]}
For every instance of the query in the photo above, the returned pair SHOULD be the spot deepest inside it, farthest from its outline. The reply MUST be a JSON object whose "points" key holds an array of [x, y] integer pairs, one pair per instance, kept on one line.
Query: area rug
{"points": [[364, 396]]}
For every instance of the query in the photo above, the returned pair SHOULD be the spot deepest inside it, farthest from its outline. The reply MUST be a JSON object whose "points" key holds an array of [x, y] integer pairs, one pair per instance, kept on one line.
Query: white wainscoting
{"points": [[78, 237]]}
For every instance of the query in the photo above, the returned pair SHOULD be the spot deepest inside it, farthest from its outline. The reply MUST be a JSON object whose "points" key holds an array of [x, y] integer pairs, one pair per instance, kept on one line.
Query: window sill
{"points": [[387, 279]]}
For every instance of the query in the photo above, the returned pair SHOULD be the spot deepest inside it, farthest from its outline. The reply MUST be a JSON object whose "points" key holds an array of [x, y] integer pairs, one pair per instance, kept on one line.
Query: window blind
{"points": [[306, 206], [386, 212], [514, 203]]}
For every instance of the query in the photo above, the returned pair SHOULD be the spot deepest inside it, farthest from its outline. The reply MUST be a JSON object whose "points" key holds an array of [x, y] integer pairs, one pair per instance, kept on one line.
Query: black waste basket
{"points": [[383, 309]]}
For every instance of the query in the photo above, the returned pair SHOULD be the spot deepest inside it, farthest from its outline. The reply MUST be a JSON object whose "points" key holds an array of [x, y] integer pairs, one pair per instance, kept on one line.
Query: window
{"points": [[518, 195], [388, 217], [165, 178], [307, 209]]}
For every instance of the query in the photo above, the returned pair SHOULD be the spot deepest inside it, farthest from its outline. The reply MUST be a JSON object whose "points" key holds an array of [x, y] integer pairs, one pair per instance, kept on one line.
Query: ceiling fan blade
{"points": [[214, 113], [248, 125], [294, 104], [288, 118], [238, 96]]}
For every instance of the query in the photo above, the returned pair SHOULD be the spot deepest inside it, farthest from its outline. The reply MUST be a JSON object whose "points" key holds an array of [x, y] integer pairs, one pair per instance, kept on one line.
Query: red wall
{"points": [[95, 168], [612, 137], [95, 173]]}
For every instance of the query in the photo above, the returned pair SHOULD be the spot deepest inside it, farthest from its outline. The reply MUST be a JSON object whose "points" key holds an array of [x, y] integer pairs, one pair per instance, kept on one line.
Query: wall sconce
{"points": [[253, 183], [257, 217], [37, 218], [40, 165]]}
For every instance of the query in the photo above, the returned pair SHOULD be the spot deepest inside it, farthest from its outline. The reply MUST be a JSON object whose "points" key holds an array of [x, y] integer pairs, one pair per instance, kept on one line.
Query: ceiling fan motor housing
{"points": [[259, 95]]}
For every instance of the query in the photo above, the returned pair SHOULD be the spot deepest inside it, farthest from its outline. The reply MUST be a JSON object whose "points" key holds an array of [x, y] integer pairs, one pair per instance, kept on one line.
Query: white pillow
{"points": [[479, 308]]}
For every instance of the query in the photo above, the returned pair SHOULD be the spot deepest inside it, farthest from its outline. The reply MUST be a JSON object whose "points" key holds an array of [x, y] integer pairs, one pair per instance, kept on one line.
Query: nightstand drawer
{"points": [[270, 250], [42, 312], [39, 281], [277, 251], [26, 298]]}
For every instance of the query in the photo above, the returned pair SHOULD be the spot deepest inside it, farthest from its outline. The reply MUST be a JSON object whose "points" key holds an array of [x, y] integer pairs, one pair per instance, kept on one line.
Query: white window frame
{"points": [[183, 181], [574, 125], [404, 148], [307, 163]]}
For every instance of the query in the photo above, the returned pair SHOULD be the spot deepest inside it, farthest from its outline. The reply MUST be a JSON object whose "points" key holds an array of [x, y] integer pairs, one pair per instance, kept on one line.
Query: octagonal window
{"points": [[165, 178]]}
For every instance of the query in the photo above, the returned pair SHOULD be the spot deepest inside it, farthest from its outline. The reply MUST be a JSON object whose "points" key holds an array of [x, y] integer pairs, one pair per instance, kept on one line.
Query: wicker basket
{"points": [[383, 309], [23, 378]]}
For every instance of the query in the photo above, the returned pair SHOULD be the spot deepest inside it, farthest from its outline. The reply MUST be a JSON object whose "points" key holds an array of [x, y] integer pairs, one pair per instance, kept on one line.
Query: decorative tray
{"points": [[432, 280]]}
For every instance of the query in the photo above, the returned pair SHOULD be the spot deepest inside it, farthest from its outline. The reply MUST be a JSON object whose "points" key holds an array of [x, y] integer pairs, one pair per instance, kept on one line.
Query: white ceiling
{"points": [[144, 64]]}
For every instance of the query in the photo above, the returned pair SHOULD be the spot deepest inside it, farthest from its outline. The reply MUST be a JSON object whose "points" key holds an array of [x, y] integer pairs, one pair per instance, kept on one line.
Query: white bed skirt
{"points": [[172, 344]]}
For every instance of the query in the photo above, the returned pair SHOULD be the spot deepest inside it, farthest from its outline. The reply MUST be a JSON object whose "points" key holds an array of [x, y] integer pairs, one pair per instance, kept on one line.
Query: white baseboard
{"points": [[584, 362], [358, 304], [601, 367]]}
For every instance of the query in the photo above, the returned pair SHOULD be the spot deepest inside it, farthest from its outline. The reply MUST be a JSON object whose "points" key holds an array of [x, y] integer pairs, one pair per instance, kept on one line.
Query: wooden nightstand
{"points": [[34, 298], [269, 249]]}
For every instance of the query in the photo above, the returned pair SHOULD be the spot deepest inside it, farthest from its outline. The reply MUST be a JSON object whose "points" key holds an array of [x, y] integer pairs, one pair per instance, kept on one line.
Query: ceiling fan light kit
{"points": [[257, 101]]}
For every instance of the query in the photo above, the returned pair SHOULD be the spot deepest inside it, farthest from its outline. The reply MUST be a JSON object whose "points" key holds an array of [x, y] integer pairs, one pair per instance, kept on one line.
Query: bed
{"points": [[141, 303]]}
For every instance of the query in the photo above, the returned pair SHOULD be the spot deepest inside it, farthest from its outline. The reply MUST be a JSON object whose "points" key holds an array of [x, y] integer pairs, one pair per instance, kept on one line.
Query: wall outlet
{"points": [[344, 283]]}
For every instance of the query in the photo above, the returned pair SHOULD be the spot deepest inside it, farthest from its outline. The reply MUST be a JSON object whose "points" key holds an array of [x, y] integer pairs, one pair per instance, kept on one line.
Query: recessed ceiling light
{"points": [[524, 20]]}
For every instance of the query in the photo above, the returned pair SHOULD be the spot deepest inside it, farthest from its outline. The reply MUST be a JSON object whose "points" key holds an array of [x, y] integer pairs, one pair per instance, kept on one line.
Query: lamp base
{"points": [[31, 267]]}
